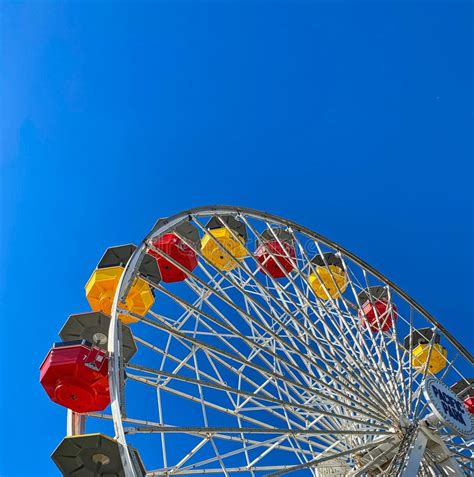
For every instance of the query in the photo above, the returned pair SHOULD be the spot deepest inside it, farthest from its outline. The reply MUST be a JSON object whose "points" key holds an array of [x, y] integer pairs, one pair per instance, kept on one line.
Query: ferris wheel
{"points": [[235, 342]]}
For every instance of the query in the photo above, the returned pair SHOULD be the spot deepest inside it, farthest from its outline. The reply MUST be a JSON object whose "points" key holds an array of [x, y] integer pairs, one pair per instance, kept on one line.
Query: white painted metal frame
{"points": [[307, 380]]}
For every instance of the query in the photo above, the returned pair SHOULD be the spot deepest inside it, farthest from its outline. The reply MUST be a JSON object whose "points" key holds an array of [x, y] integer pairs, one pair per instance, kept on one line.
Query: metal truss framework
{"points": [[270, 379]]}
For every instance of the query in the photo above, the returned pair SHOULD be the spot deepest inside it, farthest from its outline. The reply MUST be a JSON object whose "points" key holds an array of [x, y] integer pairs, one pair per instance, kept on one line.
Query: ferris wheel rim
{"points": [[165, 224]]}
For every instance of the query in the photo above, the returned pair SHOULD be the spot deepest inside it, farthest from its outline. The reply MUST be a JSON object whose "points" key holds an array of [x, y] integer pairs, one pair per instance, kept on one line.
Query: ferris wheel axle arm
{"points": [[425, 440]]}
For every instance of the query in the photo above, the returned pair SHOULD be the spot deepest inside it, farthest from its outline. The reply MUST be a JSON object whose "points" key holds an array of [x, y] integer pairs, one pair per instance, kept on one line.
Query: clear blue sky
{"points": [[352, 119]]}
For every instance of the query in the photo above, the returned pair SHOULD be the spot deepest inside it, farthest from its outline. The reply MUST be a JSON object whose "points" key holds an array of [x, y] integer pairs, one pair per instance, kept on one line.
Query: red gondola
{"points": [[74, 375], [464, 388], [377, 313], [173, 245], [279, 243]]}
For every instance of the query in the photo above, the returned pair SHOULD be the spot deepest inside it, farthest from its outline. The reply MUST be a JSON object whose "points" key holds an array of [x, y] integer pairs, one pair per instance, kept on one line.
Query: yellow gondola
{"points": [[421, 342], [328, 280], [437, 360], [224, 247], [101, 286]]}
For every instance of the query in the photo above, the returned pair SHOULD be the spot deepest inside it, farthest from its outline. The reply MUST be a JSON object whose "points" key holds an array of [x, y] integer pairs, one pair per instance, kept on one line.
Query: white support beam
{"points": [[76, 423], [415, 455]]}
